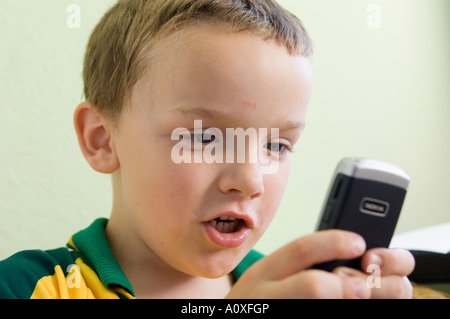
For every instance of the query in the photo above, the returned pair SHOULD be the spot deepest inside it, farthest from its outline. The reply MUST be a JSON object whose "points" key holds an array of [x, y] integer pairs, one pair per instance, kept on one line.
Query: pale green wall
{"points": [[381, 93]]}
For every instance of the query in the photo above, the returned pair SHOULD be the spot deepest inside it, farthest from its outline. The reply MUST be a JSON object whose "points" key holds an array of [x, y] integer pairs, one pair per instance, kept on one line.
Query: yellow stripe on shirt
{"points": [[81, 282]]}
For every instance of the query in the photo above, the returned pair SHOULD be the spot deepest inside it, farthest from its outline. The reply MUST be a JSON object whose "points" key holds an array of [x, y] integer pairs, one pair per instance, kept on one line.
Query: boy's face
{"points": [[169, 211]]}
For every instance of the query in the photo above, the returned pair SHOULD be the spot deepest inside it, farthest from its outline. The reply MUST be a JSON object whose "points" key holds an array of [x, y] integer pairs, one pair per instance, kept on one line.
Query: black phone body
{"points": [[366, 197]]}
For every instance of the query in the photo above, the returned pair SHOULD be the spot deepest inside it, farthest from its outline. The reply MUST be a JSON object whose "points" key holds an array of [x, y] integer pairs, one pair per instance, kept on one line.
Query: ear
{"points": [[95, 139]]}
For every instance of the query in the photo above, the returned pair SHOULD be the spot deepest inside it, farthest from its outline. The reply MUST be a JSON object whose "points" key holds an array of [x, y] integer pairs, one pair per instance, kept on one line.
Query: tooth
{"points": [[221, 227], [233, 226], [225, 225], [236, 225], [227, 218], [227, 228]]}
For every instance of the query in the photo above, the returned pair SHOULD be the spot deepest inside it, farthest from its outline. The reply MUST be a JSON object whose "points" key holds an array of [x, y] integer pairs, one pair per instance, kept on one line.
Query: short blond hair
{"points": [[116, 51]]}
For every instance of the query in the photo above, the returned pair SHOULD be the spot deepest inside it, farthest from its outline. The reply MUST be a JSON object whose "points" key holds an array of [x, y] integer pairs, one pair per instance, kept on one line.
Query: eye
{"points": [[278, 148], [203, 137]]}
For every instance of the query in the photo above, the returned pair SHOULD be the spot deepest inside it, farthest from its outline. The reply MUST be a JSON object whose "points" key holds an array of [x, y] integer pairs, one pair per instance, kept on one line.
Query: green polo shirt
{"points": [[86, 268]]}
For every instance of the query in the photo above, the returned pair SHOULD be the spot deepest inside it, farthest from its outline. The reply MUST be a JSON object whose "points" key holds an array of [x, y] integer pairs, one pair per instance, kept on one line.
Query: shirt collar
{"points": [[92, 243]]}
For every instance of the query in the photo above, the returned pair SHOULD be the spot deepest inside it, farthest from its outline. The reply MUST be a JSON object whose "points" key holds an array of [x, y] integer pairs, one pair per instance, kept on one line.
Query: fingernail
{"points": [[346, 272], [360, 288], [375, 259], [358, 244]]}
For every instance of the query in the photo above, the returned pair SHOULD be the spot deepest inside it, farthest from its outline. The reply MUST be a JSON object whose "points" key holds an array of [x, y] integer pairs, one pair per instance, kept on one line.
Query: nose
{"points": [[245, 179]]}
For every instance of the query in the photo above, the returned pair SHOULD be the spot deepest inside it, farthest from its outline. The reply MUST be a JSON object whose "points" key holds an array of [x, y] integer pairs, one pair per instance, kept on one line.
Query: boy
{"points": [[154, 70]]}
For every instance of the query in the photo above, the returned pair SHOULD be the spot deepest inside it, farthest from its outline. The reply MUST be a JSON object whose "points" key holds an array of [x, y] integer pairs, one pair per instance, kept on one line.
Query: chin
{"points": [[218, 264]]}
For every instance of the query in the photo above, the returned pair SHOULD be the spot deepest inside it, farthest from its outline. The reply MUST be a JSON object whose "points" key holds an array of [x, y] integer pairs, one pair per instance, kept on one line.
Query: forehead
{"points": [[228, 71]]}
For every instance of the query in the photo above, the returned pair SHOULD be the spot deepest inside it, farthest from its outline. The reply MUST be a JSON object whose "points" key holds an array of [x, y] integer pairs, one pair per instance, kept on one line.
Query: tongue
{"points": [[227, 226]]}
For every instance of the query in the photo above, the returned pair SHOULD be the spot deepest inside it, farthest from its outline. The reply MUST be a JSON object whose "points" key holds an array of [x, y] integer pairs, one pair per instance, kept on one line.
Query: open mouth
{"points": [[227, 231], [226, 224]]}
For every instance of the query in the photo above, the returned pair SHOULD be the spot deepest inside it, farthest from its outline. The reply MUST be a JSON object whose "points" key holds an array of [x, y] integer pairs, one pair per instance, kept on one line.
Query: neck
{"points": [[151, 277], [177, 285]]}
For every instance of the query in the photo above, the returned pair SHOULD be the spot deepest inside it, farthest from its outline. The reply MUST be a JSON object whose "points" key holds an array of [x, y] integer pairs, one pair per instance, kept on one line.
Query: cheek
{"points": [[146, 174], [185, 183], [152, 182], [274, 187]]}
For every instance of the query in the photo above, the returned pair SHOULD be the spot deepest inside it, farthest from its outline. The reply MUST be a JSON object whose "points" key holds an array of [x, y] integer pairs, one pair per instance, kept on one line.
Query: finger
{"points": [[319, 284], [393, 287], [381, 287], [310, 250], [391, 261]]}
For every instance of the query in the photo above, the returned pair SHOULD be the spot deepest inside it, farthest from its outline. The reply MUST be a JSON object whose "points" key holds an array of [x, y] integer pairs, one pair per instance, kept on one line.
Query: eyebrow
{"points": [[203, 113]]}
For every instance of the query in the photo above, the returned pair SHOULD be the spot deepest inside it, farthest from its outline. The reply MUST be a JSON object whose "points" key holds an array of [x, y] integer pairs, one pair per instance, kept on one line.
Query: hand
{"points": [[285, 273], [394, 265]]}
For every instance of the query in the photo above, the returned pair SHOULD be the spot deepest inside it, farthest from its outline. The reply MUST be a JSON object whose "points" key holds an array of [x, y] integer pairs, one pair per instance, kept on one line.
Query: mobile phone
{"points": [[366, 197]]}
